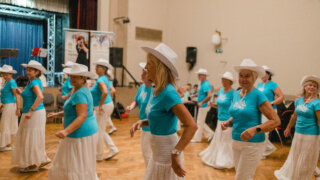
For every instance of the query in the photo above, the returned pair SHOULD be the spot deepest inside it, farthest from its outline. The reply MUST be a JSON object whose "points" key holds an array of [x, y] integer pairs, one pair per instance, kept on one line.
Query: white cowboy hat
{"points": [[266, 68], [109, 72], [79, 70], [7, 69], [36, 65], [310, 78], [227, 75], [202, 71], [166, 55], [249, 64], [104, 62], [142, 65], [68, 64]]}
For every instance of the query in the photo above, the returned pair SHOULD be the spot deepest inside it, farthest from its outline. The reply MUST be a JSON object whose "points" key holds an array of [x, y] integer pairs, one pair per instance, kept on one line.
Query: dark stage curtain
{"points": [[83, 14]]}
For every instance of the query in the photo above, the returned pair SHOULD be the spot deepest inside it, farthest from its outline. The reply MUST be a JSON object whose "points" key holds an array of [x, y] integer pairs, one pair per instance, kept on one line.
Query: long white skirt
{"points": [[9, 124], [302, 159], [103, 137], [159, 166], [146, 146], [29, 146], [219, 153], [75, 159], [247, 156]]}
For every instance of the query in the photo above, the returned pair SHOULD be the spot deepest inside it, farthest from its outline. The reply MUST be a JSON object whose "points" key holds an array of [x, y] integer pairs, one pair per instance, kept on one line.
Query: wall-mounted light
{"points": [[124, 19], [216, 38]]}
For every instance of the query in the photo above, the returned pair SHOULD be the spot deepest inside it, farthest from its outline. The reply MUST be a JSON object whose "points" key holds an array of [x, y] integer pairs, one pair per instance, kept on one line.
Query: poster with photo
{"points": [[100, 43], [77, 47]]}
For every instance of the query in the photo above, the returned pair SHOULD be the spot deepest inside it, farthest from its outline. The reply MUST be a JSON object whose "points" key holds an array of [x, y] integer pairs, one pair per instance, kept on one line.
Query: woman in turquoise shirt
{"points": [[163, 112], [248, 131], [304, 151], [142, 99], [10, 108], [103, 108], [29, 147], [66, 87], [219, 153], [275, 96], [76, 154]]}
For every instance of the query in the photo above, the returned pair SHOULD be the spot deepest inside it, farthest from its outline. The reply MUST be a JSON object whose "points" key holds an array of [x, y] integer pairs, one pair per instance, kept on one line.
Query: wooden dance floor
{"points": [[129, 164]]}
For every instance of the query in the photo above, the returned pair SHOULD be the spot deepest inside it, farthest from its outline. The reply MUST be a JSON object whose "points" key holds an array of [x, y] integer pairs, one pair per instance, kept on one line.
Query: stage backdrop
{"points": [[97, 45]]}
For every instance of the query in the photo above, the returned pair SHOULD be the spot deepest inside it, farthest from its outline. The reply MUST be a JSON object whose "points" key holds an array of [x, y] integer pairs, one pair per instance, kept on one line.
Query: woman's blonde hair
{"points": [[303, 91], [163, 75]]}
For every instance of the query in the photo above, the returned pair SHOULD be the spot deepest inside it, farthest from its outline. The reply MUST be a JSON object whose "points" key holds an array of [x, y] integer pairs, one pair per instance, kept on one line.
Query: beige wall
{"points": [[281, 34]]}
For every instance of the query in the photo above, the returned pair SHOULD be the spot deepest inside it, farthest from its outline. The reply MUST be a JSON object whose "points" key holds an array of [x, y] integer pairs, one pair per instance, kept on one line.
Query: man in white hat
{"points": [[204, 95]]}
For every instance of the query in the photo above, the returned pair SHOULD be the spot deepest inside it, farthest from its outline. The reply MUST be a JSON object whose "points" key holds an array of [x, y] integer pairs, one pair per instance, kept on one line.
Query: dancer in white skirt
{"points": [[166, 162], [248, 131], [204, 96], [112, 92], [304, 153], [275, 96], [219, 153], [29, 147], [10, 108], [76, 155], [142, 99], [103, 108]]}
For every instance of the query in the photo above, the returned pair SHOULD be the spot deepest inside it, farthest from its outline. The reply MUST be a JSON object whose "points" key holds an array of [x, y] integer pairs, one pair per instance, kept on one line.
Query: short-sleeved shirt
{"points": [[142, 98], [224, 102], [66, 87], [307, 121], [161, 118], [6, 93], [268, 90], [89, 126], [96, 92], [246, 114], [29, 96], [205, 87]]}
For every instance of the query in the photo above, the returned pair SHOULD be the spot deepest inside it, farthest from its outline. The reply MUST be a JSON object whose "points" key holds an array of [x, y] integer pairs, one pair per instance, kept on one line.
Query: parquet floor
{"points": [[129, 164]]}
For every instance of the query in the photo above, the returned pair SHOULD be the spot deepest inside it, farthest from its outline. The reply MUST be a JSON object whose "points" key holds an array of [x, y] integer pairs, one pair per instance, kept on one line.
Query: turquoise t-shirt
{"points": [[142, 98], [268, 90], [162, 120], [307, 121], [89, 126], [66, 87], [205, 87], [96, 92], [29, 96], [246, 114], [6, 93], [224, 102]]}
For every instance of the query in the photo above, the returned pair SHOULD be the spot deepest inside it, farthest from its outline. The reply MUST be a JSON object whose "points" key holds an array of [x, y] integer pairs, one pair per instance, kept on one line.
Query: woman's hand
{"points": [[62, 134], [18, 113], [225, 125], [176, 165], [287, 132], [248, 134], [128, 109], [28, 115], [136, 126], [52, 115]]}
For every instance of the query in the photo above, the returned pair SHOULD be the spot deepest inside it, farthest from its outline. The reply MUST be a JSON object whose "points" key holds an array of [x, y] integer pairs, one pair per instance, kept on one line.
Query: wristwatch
{"points": [[175, 152], [258, 129]]}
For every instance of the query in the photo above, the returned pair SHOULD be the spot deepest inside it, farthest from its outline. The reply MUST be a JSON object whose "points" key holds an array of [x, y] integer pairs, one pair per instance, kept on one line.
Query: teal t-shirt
{"points": [[6, 93], [142, 98], [89, 126], [268, 90], [205, 87], [29, 96], [161, 118], [246, 114], [307, 121], [96, 92], [224, 102], [66, 87]]}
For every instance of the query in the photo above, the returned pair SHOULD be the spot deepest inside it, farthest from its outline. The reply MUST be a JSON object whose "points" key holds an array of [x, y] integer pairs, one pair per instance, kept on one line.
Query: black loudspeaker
{"points": [[191, 56], [116, 56]]}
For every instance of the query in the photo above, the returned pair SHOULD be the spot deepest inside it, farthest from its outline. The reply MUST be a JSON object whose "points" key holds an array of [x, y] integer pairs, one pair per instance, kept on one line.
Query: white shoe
{"points": [[5, 149], [45, 163], [194, 141], [111, 154], [112, 130], [267, 152]]}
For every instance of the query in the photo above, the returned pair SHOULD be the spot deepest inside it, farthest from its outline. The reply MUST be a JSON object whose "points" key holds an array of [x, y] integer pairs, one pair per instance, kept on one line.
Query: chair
{"points": [[48, 102]]}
